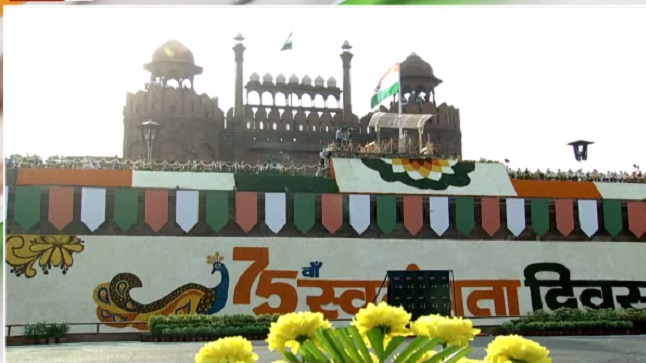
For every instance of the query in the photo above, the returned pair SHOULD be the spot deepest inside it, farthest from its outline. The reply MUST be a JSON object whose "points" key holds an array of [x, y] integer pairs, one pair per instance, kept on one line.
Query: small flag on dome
{"points": [[288, 43]]}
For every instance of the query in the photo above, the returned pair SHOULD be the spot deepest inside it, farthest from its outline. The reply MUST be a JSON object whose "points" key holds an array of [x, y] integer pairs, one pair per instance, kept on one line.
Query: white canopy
{"points": [[385, 120]]}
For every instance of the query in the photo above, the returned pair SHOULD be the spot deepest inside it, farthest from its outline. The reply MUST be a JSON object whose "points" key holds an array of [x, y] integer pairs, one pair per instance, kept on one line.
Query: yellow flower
{"points": [[279, 361], [514, 348], [426, 325], [392, 319], [467, 360], [292, 329], [453, 331], [227, 350]]}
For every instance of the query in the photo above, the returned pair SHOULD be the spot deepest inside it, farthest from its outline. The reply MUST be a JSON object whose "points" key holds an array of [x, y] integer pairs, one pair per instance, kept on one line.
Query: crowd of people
{"points": [[115, 163], [636, 176], [272, 166]]}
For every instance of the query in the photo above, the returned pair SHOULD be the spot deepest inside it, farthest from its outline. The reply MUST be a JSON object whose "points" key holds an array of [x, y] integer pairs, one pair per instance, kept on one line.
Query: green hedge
{"points": [[564, 314], [566, 325], [46, 330], [577, 319], [210, 325]]}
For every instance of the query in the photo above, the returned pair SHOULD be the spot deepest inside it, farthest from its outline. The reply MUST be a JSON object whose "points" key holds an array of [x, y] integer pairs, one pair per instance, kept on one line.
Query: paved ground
{"points": [[564, 350]]}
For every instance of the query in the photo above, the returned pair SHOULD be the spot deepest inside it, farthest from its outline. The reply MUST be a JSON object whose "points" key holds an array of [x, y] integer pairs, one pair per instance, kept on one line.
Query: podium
{"points": [[421, 292]]}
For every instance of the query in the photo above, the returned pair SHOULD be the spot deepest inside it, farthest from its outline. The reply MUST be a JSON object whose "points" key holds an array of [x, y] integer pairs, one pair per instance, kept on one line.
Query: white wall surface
{"points": [[165, 263]]}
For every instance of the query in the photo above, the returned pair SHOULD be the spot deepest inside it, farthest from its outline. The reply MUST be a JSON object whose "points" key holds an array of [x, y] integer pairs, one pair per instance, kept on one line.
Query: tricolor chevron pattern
{"points": [[118, 210]]}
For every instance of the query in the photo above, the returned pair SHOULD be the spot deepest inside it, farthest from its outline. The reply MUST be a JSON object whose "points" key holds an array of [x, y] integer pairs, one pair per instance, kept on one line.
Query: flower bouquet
{"points": [[377, 334]]}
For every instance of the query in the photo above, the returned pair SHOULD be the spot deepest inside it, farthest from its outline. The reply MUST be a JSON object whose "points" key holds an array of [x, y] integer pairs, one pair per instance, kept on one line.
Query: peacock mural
{"points": [[115, 305]]}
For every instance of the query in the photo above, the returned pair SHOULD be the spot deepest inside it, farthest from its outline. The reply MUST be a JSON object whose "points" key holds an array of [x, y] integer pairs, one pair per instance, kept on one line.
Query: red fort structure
{"points": [[299, 121], [284, 216]]}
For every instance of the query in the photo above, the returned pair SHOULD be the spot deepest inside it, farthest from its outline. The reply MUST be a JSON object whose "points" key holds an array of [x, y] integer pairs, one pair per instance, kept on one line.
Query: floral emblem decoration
{"points": [[423, 169], [48, 252], [434, 174]]}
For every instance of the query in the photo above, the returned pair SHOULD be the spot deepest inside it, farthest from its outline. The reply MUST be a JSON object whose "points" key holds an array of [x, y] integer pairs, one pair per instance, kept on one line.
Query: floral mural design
{"points": [[24, 252], [434, 174]]}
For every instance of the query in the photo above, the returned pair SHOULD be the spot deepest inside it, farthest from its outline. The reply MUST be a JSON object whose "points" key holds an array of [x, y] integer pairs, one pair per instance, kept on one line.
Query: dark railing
{"points": [[97, 325], [10, 327]]}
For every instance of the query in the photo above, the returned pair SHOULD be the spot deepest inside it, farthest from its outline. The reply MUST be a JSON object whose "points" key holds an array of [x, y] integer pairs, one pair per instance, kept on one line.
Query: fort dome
{"points": [[173, 51], [173, 60], [415, 67]]}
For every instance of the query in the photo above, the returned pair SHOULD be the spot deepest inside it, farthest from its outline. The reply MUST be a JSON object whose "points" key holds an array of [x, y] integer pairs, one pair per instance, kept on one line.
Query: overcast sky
{"points": [[527, 80]]}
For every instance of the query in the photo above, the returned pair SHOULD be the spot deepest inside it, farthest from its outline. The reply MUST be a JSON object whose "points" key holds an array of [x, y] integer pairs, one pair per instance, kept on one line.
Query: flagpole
{"points": [[291, 68], [399, 111]]}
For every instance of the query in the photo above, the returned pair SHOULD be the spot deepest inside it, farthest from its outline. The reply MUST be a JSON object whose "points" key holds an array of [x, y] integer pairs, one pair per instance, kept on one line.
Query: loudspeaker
{"points": [[421, 292]]}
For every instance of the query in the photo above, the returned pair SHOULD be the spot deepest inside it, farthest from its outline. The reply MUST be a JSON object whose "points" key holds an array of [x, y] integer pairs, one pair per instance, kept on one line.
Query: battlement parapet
{"points": [[171, 102]]}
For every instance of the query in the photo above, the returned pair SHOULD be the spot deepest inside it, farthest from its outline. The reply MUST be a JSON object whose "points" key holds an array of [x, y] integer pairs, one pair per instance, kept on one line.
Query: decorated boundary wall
{"points": [[119, 279], [351, 176], [452, 177], [163, 212]]}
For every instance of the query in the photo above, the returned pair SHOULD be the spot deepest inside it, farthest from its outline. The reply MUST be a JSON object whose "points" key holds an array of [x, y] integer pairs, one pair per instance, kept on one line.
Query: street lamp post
{"points": [[148, 133]]}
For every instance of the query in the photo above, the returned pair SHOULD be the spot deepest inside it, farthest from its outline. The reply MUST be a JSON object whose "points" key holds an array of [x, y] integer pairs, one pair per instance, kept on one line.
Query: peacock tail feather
{"points": [[114, 304]]}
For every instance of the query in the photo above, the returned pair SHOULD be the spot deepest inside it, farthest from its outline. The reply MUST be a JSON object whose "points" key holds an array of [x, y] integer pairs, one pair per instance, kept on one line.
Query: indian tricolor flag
{"points": [[388, 86]]}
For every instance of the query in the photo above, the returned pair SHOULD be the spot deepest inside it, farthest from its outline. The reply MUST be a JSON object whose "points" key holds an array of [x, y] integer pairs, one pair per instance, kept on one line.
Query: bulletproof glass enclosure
{"points": [[421, 292]]}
